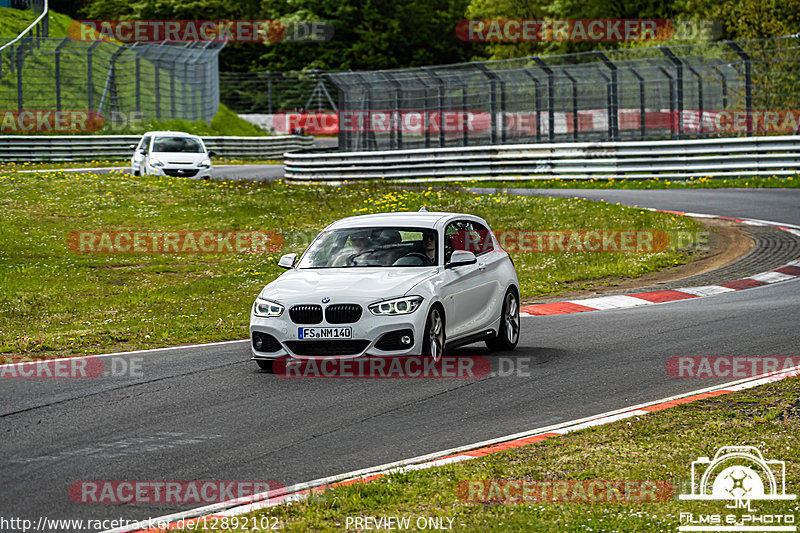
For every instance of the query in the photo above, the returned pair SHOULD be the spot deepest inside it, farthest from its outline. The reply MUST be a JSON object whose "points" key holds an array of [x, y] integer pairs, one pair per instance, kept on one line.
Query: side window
{"points": [[469, 236], [454, 238], [480, 234], [145, 144]]}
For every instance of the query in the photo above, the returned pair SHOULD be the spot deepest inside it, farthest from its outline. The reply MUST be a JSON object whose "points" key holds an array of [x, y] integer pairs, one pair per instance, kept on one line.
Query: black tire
{"points": [[264, 365], [433, 338], [135, 172], [508, 330]]}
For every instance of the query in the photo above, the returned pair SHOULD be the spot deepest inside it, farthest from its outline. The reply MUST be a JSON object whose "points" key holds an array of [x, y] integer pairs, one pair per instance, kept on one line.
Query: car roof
{"points": [[424, 219], [171, 133]]}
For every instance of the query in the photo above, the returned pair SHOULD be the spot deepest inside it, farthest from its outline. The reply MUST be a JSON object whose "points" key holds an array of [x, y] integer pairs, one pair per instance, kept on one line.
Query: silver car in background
{"points": [[171, 153]]}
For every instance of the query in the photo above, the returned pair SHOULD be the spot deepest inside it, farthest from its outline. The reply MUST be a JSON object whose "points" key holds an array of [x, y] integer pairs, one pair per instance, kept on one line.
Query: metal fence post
{"points": [[538, 104], [343, 138], [609, 105], [20, 62], [494, 123], [613, 100], [426, 123], [551, 95], [574, 105], [699, 98], [748, 84], [672, 116], [89, 81], [439, 103], [679, 75], [724, 81], [464, 117], [642, 113], [58, 71], [396, 137], [172, 88]]}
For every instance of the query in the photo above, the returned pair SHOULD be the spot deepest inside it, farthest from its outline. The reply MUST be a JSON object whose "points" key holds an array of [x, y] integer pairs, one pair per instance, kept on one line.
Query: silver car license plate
{"points": [[324, 333]]}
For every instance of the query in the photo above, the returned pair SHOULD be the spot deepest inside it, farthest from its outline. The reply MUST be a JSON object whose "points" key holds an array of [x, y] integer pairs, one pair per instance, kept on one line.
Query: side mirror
{"points": [[287, 261], [211, 153], [461, 258]]}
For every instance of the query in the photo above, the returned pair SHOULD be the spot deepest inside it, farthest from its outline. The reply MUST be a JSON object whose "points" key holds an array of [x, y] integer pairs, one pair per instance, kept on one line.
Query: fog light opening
{"points": [[405, 339]]}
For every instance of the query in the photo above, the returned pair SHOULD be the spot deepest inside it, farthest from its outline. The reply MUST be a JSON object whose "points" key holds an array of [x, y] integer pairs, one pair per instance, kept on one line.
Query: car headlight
{"points": [[205, 163], [267, 308], [156, 163], [398, 306]]}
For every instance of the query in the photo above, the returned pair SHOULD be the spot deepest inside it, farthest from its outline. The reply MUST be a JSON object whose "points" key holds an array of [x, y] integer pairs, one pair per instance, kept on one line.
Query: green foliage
{"points": [[704, 20], [226, 122], [369, 34], [14, 21]]}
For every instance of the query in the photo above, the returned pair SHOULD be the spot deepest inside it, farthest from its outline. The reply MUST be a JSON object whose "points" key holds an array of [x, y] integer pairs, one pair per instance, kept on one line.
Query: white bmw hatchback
{"points": [[390, 284], [171, 153]]}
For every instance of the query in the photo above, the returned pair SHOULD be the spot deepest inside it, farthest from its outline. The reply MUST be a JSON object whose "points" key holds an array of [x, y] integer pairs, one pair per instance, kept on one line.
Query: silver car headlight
{"points": [[267, 308], [205, 163], [156, 163], [398, 306]]}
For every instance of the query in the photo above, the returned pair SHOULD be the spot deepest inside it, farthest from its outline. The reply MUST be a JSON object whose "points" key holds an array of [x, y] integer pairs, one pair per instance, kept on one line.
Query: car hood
{"points": [[361, 284], [178, 157]]}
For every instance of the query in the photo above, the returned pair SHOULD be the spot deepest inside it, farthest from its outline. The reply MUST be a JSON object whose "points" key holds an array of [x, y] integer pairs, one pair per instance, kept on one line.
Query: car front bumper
{"points": [[367, 332], [180, 172]]}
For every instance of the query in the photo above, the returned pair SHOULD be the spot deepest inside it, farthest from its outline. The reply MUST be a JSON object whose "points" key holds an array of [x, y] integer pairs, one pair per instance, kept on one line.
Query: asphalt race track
{"points": [[207, 413]]}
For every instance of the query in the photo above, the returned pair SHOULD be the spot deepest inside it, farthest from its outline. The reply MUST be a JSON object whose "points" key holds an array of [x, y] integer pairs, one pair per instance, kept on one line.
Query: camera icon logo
{"points": [[738, 473]]}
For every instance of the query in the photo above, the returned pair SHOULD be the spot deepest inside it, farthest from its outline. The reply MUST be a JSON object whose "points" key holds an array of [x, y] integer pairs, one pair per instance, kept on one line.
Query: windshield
{"points": [[370, 247], [177, 144]]}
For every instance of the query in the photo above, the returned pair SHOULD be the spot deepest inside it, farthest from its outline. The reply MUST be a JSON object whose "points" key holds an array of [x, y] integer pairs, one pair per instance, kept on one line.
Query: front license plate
{"points": [[324, 333]]}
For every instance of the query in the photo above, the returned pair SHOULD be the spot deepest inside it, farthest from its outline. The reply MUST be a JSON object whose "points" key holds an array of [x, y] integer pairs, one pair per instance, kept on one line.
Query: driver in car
{"points": [[359, 244]]}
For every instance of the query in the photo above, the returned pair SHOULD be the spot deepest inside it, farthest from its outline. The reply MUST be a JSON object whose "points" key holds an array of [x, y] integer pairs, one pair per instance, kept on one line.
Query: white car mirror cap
{"points": [[287, 261], [461, 258]]}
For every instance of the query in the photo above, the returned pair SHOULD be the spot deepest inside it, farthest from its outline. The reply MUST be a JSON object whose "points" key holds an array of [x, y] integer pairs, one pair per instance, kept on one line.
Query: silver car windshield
{"points": [[373, 247], [177, 145]]}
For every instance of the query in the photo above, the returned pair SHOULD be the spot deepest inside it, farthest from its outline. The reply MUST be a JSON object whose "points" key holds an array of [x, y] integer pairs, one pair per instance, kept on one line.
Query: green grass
{"points": [[699, 182], [56, 302], [225, 122], [15, 21], [659, 446]]}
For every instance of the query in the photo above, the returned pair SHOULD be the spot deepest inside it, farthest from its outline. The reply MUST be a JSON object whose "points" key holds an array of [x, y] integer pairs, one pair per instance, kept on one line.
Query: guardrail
{"points": [[97, 147], [743, 156]]}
